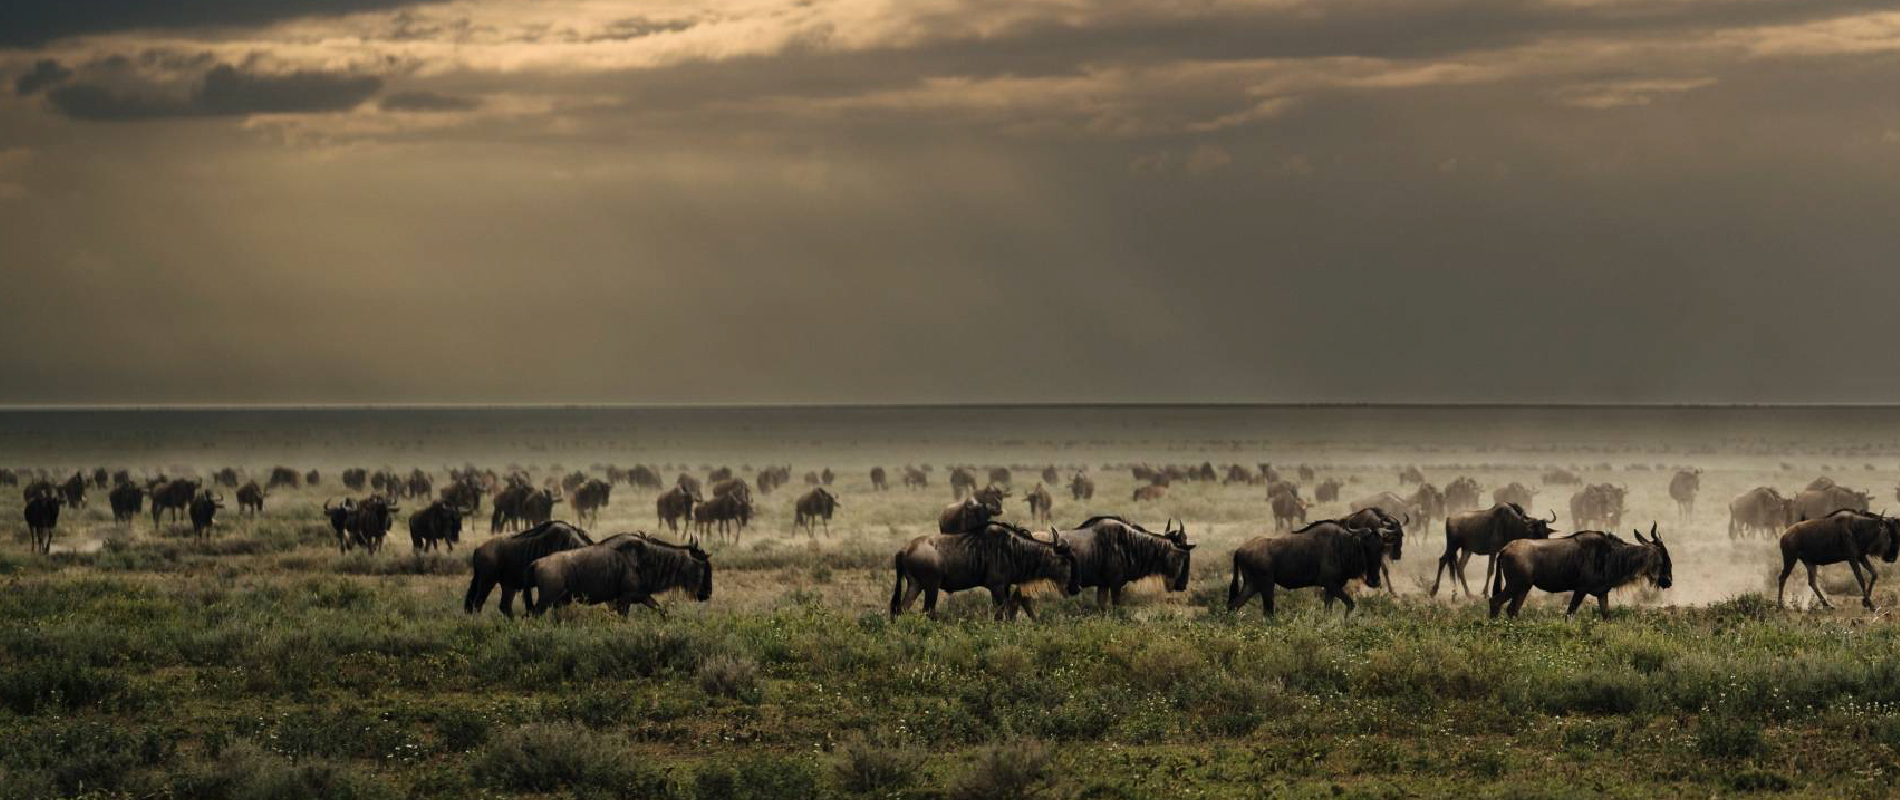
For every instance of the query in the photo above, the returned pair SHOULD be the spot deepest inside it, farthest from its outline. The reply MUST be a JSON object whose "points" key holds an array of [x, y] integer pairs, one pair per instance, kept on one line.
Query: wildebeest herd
{"points": [[554, 563]]}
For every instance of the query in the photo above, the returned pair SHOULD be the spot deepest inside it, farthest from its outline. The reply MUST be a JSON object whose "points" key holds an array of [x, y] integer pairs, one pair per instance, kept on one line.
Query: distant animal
{"points": [[250, 499], [1040, 503], [538, 507], [226, 477], [1081, 487], [730, 512], [204, 511], [1562, 477], [1327, 491], [73, 491], [826, 476], [312, 478], [625, 569], [1598, 505], [969, 515], [1485, 533], [1683, 488], [590, 497], [127, 500], [438, 524], [1050, 476], [1849, 535], [1000, 476], [42, 516], [1149, 494], [962, 482], [674, 505], [1325, 554], [355, 479], [1514, 494], [1001, 558], [284, 477], [1287, 509], [1462, 494], [1111, 552], [369, 522], [644, 477], [1237, 473], [505, 561], [915, 478], [879, 481], [689, 483], [1760, 511], [1586, 563], [718, 475], [173, 496], [1824, 497], [508, 505], [817, 505], [1411, 475], [339, 517]]}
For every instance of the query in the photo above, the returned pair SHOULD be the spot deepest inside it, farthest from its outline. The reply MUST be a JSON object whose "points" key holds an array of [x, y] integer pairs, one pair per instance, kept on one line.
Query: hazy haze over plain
{"points": [[949, 200]]}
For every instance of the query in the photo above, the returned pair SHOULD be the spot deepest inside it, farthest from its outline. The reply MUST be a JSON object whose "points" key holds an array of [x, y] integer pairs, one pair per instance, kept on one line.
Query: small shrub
{"points": [[245, 772], [762, 777], [1728, 736], [867, 765], [1008, 771], [729, 675], [1757, 780], [560, 756]]}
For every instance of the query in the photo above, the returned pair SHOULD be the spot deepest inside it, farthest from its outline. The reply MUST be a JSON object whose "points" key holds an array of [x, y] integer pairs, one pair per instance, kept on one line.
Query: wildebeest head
{"points": [[1537, 527], [1659, 568], [702, 580], [1371, 543], [1178, 557]]}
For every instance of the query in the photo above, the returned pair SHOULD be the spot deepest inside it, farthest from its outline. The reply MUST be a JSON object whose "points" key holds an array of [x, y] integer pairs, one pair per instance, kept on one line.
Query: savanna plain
{"points": [[259, 662]]}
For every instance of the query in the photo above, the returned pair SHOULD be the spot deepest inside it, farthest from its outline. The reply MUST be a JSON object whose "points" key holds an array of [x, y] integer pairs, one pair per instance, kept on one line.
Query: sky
{"points": [[941, 201]]}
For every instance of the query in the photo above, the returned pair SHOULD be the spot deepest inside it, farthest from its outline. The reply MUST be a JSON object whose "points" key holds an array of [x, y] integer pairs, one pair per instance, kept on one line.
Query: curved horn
{"points": [[1553, 516], [1653, 535]]}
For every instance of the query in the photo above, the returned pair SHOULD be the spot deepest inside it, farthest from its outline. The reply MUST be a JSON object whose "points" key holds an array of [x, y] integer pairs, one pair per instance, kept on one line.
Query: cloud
{"points": [[1207, 158], [1633, 92], [46, 72], [222, 91], [424, 101], [26, 23]]}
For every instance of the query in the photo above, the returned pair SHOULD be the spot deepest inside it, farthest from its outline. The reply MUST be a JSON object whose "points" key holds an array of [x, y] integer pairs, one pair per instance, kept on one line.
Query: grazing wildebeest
{"points": [[508, 504], [720, 474], [1849, 535], [1237, 473], [440, 523], [999, 476], [505, 560], [1050, 476], [1819, 501], [226, 477], [1040, 503], [624, 569], [1389, 503], [339, 517], [879, 482], [1411, 475], [817, 504], [1585, 563], [1513, 494], [962, 482], [736, 486], [284, 477], [1145, 494], [674, 505], [1391, 529], [126, 499], [689, 483], [418, 485], [1683, 488], [312, 478], [203, 511], [969, 515], [644, 477], [1760, 510], [1485, 533], [915, 478], [727, 510], [73, 491], [590, 498], [1082, 487], [173, 496], [465, 494], [1001, 558], [42, 515], [1111, 552], [1287, 508], [538, 507], [370, 521], [1324, 554], [355, 478], [1562, 477], [1462, 495], [250, 499], [1598, 505], [1327, 491]]}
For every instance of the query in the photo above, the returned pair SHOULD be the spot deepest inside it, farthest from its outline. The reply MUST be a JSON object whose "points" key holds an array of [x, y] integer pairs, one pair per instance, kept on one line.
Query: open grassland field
{"points": [[261, 663]]}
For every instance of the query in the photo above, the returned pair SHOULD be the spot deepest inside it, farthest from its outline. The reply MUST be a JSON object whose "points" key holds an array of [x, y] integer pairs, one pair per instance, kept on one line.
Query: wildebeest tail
{"points": [[1497, 579], [897, 591], [472, 602], [1233, 586]]}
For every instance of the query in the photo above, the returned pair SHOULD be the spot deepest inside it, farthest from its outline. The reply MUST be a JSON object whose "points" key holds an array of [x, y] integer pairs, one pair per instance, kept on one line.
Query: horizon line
{"points": [[761, 406]]}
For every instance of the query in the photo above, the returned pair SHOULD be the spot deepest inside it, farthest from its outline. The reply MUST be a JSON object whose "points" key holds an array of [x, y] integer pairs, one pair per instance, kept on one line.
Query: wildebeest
{"points": [[1428, 503], [879, 481], [1585, 563], [1389, 503], [339, 517], [1001, 559], [817, 504], [284, 477], [1762, 511], [1324, 554], [811, 478], [827, 476], [590, 498], [9, 478], [508, 504], [1514, 494], [465, 494], [1462, 494], [1821, 499], [720, 474], [1237, 473], [42, 516], [1391, 529], [729, 511], [962, 482], [1848, 535], [226, 477], [689, 483], [644, 477], [505, 560], [100, 476], [312, 478], [204, 511], [418, 485], [355, 478], [1040, 503], [538, 507], [1287, 509], [915, 478], [1146, 494], [1562, 477], [1411, 475], [969, 515], [1050, 476], [126, 499], [250, 499], [1082, 487], [623, 569], [1111, 552], [1327, 491], [370, 521], [1598, 505], [1683, 488], [1485, 533], [73, 491], [1000, 476], [736, 486], [439, 523], [674, 505], [173, 496]]}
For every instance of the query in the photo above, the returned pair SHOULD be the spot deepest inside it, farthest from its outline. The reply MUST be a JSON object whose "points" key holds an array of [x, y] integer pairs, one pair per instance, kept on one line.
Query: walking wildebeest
{"points": [[355, 478], [505, 560], [624, 569], [590, 497], [538, 507], [42, 515], [1050, 476], [879, 481], [73, 491], [1563, 477], [440, 523], [312, 478], [1683, 488], [674, 505], [1849, 535], [1824, 497], [1082, 487], [962, 482], [1598, 505], [203, 511], [1514, 493], [284, 477], [1111, 552], [339, 517], [1324, 554], [817, 504], [1146, 494], [126, 499], [915, 478], [1001, 558], [1411, 475], [1286, 509], [1040, 503], [999, 476], [1761, 510], [1585, 563], [172, 496], [250, 499], [1462, 495], [726, 510], [1327, 491], [369, 522], [1391, 529], [1485, 533]]}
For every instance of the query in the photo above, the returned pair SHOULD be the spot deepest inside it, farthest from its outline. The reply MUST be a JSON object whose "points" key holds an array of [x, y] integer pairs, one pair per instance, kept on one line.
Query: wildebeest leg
{"points": [[1517, 596], [1339, 592], [1266, 597], [1781, 586], [1464, 558], [1490, 571], [1576, 599], [1444, 562], [1603, 603], [1240, 591], [1816, 587], [1866, 586], [1115, 595], [508, 600], [1101, 597], [1385, 576], [930, 601], [1028, 606]]}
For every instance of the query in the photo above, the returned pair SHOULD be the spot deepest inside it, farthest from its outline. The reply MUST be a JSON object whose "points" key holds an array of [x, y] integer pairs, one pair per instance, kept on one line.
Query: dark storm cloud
{"points": [[224, 90], [46, 72], [428, 101], [26, 23]]}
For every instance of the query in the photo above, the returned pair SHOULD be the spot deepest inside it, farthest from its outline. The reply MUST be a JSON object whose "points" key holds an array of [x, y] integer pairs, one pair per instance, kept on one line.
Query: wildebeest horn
{"points": [[1553, 516], [1653, 535], [692, 540]]}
